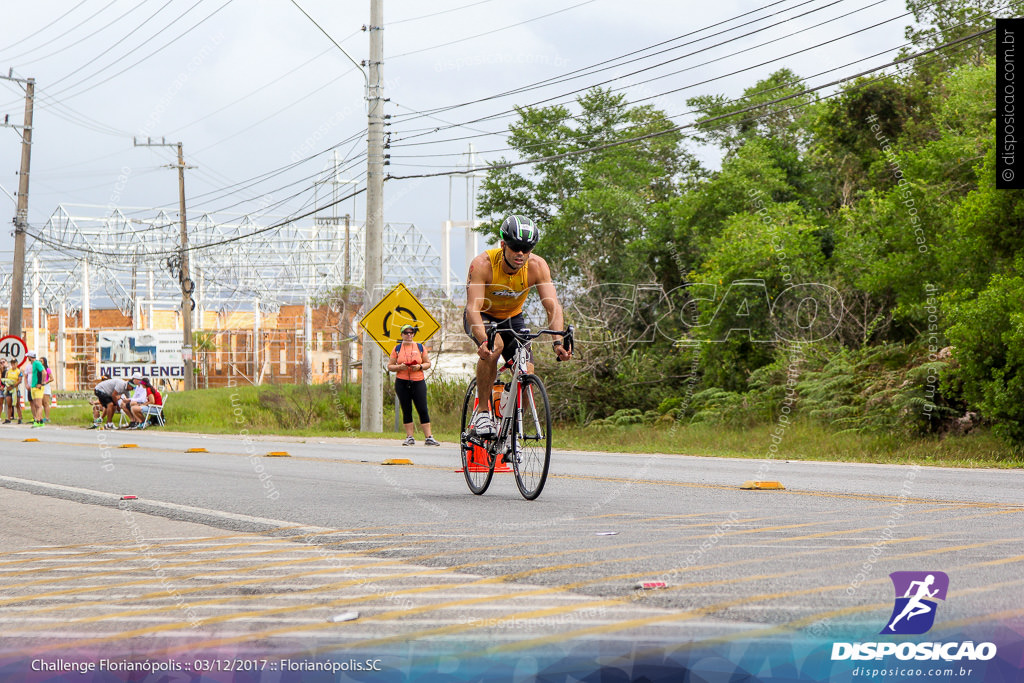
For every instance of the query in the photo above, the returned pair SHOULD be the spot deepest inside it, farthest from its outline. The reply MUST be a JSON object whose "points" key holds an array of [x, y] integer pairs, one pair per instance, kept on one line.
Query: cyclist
{"points": [[497, 286]]}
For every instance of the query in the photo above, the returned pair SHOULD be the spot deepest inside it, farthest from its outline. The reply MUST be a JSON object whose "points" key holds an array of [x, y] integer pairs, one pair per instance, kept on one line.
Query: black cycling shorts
{"points": [[105, 399], [505, 327]]}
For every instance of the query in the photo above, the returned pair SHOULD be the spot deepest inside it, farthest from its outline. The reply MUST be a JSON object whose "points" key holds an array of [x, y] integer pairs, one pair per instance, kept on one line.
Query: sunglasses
{"points": [[520, 248], [408, 331]]}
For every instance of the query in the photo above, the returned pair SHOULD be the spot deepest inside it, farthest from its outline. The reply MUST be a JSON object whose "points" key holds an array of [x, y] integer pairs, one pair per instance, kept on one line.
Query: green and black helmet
{"points": [[519, 233]]}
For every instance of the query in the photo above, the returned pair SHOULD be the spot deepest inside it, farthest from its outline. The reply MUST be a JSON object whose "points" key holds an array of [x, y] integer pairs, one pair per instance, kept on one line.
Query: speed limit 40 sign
{"points": [[12, 349]]}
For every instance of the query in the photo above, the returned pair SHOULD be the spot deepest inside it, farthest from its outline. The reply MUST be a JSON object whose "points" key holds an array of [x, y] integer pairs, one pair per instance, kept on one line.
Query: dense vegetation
{"points": [[851, 260]]}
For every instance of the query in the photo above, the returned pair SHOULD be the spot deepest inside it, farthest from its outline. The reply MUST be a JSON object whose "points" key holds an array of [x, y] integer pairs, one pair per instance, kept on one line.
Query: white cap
{"points": [[30, 354]]}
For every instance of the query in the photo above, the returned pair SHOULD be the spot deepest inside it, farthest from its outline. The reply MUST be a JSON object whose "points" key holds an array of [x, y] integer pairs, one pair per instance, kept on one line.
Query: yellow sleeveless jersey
{"points": [[506, 293]]}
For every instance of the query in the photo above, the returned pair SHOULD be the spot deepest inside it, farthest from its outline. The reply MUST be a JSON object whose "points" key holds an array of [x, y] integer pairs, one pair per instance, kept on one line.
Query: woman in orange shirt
{"points": [[408, 361]]}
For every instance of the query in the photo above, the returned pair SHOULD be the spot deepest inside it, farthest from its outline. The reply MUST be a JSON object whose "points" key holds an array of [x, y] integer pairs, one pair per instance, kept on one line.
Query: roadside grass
{"points": [[803, 440], [333, 410]]}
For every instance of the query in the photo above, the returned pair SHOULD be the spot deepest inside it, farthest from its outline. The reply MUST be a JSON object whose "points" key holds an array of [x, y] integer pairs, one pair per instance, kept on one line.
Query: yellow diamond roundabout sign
{"points": [[400, 307]]}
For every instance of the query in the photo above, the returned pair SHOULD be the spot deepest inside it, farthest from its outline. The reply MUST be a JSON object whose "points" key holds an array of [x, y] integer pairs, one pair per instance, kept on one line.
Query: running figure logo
{"points": [[914, 611]]}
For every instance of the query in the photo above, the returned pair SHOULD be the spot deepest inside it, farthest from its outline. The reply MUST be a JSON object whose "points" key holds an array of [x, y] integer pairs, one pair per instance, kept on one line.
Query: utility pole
{"points": [[371, 414], [345, 311], [186, 283], [187, 286], [21, 218]]}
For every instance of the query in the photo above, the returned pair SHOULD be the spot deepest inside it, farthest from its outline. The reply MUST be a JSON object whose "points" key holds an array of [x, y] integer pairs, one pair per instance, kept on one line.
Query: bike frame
{"points": [[502, 443], [513, 415]]}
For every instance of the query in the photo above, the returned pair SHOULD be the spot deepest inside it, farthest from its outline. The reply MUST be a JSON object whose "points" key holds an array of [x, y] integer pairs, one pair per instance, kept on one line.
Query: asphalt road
{"points": [[230, 548]]}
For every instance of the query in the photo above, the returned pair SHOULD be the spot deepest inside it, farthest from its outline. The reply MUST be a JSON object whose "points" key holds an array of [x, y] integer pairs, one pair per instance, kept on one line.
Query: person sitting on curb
{"points": [[154, 403], [133, 406]]}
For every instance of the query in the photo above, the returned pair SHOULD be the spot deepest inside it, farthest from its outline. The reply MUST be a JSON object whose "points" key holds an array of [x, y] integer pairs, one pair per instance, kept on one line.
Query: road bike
{"points": [[524, 434]]}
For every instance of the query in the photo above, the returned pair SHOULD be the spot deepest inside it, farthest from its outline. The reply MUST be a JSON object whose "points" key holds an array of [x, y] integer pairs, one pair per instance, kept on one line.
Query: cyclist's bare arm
{"points": [[540, 277], [476, 299]]}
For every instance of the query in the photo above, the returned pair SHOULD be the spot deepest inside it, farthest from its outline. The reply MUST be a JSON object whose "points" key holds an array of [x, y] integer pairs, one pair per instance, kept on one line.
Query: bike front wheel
{"points": [[477, 463], [531, 441]]}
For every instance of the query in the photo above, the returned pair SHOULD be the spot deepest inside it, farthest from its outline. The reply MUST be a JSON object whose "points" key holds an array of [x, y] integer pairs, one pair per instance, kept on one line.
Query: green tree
{"points": [[948, 20], [988, 345], [847, 131], [598, 208], [204, 344], [759, 255], [724, 123]]}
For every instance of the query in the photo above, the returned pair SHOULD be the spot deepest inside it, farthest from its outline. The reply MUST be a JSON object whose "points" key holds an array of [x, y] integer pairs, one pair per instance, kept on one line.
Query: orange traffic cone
{"points": [[477, 460]]}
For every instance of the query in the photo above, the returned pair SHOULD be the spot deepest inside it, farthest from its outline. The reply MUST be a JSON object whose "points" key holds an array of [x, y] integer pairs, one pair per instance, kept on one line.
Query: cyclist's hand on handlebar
{"points": [[561, 352], [483, 352]]}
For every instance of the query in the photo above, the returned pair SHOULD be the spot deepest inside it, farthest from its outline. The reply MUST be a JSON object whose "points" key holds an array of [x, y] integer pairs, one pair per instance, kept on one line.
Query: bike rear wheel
{"points": [[531, 441], [477, 464]]}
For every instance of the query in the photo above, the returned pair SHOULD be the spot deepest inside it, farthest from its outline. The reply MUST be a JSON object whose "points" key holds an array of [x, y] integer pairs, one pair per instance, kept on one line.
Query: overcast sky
{"points": [[252, 86]]}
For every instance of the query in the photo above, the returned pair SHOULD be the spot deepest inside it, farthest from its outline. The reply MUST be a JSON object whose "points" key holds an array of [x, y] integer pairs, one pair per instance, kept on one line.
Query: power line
{"points": [[578, 73], [206, 245], [81, 120], [107, 48], [693, 111], [68, 46], [224, 191], [612, 80], [439, 13], [400, 144], [658, 95], [79, 25], [487, 33], [122, 57], [674, 129], [633, 102], [263, 177], [293, 103], [257, 91], [40, 30], [140, 61]]}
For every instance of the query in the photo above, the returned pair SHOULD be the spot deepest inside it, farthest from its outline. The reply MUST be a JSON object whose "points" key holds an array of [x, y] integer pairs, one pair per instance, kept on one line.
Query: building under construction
{"points": [[270, 302]]}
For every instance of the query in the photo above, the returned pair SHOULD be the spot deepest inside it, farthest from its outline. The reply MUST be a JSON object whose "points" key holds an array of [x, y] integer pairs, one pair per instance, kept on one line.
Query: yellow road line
{"points": [[617, 626], [635, 623], [433, 556], [435, 607], [114, 545], [193, 551]]}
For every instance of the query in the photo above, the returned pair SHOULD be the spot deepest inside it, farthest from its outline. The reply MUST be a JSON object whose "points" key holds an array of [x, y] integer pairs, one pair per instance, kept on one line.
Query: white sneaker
{"points": [[483, 425]]}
